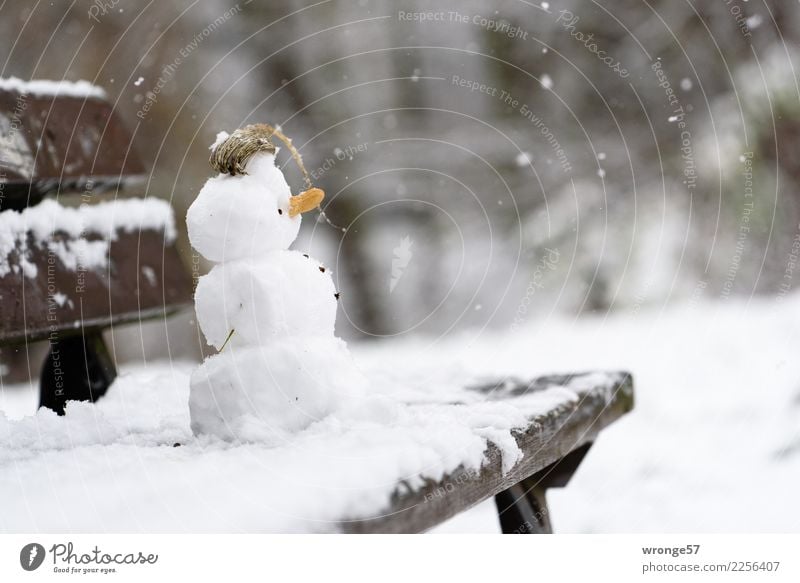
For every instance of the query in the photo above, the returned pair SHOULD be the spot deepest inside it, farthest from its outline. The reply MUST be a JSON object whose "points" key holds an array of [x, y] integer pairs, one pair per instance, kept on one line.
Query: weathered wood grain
{"points": [[144, 278], [61, 144], [547, 439]]}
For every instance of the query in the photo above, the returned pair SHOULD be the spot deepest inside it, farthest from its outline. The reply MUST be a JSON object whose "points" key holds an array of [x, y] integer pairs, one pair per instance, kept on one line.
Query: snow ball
{"points": [[686, 84], [264, 300], [546, 81], [601, 173], [545, 5], [265, 393], [138, 81], [601, 155], [235, 217]]}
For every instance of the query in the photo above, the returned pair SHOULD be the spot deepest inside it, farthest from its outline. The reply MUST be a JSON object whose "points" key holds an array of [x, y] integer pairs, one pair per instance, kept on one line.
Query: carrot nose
{"points": [[305, 201]]}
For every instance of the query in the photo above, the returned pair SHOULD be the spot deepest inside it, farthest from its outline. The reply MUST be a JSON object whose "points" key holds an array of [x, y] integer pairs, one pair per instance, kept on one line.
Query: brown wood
{"points": [[144, 278], [523, 508], [548, 439], [61, 144]]}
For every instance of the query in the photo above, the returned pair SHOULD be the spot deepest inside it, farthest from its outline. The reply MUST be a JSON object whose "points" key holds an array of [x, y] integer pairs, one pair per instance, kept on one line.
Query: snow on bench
{"points": [[57, 263], [451, 448], [48, 88]]}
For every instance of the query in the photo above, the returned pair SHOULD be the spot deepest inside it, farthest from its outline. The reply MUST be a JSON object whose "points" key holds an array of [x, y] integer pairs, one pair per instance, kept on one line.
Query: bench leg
{"points": [[77, 368], [523, 507]]}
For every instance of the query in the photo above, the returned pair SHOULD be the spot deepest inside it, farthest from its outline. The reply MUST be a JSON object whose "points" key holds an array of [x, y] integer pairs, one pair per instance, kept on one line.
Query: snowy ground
{"points": [[713, 444]]}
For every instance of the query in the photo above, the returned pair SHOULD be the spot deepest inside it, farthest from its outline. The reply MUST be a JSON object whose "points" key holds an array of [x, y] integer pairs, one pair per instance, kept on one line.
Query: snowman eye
{"points": [[280, 211]]}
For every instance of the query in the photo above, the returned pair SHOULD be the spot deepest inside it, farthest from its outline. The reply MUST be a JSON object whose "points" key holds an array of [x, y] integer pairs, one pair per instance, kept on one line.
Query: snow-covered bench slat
{"points": [[553, 445], [60, 136], [67, 270]]}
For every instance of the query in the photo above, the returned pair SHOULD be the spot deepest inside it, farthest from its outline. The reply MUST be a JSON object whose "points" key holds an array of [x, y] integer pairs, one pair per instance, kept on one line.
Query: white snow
{"points": [[235, 217], [280, 294], [686, 84], [221, 137], [138, 81], [546, 81], [712, 445], [149, 274], [523, 159], [39, 223], [41, 87], [754, 21], [265, 393], [345, 465]]}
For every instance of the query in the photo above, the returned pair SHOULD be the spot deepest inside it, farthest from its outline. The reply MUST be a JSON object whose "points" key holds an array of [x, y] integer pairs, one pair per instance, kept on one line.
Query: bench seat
{"points": [[451, 448]]}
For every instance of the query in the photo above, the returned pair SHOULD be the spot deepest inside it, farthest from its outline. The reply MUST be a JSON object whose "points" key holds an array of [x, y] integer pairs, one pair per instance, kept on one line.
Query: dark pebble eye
{"points": [[280, 211], [305, 255], [322, 269], [336, 295]]}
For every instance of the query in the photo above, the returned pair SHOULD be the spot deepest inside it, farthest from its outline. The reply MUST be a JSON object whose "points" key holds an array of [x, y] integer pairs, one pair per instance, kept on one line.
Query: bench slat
{"points": [[60, 143], [602, 399], [144, 278]]}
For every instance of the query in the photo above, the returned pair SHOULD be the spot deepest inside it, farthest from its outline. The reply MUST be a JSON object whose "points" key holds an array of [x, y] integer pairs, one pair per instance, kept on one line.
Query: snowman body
{"points": [[272, 309]]}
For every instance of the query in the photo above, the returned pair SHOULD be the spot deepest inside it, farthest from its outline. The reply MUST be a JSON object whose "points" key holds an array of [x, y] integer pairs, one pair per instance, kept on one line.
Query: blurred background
{"points": [[491, 165]]}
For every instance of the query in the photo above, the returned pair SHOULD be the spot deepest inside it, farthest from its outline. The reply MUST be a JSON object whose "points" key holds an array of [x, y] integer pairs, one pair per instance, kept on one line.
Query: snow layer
{"points": [[712, 445], [39, 223], [235, 217], [112, 465], [42, 87], [280, 294]]}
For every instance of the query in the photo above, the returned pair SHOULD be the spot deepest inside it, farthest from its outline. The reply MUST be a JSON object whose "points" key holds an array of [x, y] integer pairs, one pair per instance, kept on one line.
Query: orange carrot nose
{"points": [[305, 201]]}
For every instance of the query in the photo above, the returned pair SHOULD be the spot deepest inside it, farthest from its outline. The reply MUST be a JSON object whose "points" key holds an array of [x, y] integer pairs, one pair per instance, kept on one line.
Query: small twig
{"points": [[224, 344]]}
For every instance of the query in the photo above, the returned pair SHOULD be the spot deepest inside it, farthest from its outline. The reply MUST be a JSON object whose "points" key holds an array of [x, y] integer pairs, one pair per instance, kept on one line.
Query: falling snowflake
{"points": [[523, 159], [402, 256]]}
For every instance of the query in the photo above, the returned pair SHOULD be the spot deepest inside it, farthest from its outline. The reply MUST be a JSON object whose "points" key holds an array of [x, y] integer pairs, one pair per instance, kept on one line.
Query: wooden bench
{"points": [[62, 285], [553, 445]]}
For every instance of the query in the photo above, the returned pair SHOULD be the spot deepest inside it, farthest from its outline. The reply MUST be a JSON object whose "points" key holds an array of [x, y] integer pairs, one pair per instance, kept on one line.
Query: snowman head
{"points": [[248, 209]]}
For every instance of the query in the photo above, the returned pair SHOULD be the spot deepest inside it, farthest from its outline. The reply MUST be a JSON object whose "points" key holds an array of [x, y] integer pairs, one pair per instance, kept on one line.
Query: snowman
{"points": [[269, 311]]}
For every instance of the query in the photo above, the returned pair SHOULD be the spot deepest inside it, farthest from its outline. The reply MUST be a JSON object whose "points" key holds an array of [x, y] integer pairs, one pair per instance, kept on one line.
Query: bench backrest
{"points": [[69, 269], [60, 138]]}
